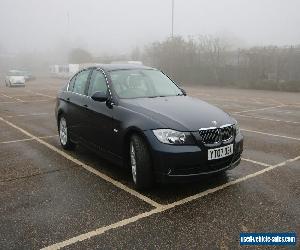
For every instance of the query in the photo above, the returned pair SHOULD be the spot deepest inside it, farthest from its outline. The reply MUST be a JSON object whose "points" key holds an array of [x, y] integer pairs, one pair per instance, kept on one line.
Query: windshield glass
{"points": [[139, 83], [15, 73]]}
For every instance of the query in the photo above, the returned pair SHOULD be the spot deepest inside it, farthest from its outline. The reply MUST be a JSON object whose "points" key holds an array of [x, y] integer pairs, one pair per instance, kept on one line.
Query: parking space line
{"points": [[265, 118], [250, 110], [6, 96], [28, 139], [23, 115], [20, 140], [256, 162], [263, 133], [50, 96], [233, 101], [85, 166], [243, 100], [162, 208], [13, 96], [10, 97], [22, 101]]}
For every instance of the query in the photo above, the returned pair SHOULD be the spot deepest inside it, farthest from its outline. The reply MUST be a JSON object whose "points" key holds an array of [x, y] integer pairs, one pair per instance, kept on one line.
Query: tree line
{"points": [[210, 60]]}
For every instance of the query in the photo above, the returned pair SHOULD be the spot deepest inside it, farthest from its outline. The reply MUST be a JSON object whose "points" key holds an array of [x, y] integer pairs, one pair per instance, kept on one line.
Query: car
{"points": [[28, 75], [15, 78], [137, 117]]}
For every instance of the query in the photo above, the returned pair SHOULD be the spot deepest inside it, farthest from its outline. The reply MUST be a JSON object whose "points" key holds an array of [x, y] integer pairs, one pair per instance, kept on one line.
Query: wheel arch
{"points": [[126, 142], [59, 113]]}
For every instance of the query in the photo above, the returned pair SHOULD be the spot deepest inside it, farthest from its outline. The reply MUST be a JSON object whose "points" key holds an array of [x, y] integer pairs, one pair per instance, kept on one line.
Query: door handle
{"points": [[68, 99]]}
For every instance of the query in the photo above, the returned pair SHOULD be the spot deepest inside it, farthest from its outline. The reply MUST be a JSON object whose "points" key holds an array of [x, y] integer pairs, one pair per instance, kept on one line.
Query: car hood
{"points": [[182, 113]]}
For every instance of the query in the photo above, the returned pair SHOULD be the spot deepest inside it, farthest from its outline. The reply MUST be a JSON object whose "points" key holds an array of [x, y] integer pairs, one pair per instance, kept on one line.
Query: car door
{"points": [[77, 103], [99, 115]]}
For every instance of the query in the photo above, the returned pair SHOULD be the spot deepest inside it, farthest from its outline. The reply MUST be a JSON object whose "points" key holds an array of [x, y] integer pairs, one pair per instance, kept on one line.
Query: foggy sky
{"points": [[116, 26]]}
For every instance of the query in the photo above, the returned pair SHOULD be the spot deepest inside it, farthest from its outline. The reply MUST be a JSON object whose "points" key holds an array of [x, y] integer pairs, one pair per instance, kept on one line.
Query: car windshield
{"points": [[15, 73], [139, 83]]}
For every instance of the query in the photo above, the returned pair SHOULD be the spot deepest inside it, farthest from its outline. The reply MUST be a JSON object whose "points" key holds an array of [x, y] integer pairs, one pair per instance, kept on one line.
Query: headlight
{"points": [[237, 128], [170, 136]]}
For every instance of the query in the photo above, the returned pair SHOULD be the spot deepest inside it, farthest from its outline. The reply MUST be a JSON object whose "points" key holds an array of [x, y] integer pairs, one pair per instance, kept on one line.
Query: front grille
{"points": [[216, 135], [210, 136], [227, 132]]}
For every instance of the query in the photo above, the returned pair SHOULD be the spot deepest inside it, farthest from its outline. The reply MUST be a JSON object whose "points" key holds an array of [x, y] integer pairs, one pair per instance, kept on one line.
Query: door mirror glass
{"points": [[99, 96]]}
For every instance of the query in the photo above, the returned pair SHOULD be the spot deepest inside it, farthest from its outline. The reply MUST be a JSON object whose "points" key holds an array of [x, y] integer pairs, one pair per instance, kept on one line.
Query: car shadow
{"points": [[163, 193]]}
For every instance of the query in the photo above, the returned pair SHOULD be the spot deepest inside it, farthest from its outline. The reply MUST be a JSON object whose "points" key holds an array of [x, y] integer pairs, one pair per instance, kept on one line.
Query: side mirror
{"points": [[99, 96]]}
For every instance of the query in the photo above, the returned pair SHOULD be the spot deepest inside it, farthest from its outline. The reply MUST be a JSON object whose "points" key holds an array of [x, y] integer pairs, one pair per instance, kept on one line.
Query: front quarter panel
{"points": [[61, 104], [127, 121]]}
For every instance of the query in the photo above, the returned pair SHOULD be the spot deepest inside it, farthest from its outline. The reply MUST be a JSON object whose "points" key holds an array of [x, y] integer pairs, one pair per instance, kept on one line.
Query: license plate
{"points": [[217, 153]]}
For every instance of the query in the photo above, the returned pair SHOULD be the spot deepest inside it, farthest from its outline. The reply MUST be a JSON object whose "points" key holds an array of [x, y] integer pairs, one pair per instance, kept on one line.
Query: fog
{"points": [[240, 43], [117, 26]]}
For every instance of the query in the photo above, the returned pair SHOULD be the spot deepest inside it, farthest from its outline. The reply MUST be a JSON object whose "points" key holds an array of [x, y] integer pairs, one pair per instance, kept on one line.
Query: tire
{"points": [[140, 163], [64, 136]]}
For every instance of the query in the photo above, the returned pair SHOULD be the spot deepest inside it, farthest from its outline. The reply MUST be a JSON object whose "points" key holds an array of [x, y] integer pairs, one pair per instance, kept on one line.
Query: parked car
{"points": [[28, 75], [138, 117], [15, 78]]}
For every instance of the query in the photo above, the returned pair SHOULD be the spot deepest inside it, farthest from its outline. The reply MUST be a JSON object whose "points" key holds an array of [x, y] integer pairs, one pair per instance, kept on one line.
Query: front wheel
{"points": [[141, 165], [64, 136]]}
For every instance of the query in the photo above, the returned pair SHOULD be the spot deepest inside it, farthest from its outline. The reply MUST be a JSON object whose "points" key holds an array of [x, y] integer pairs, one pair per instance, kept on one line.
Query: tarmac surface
{"points": [[51, 198]]}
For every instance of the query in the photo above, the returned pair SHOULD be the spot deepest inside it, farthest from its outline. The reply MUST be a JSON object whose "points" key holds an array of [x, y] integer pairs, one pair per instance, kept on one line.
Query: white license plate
{"points": [[217, 153]]}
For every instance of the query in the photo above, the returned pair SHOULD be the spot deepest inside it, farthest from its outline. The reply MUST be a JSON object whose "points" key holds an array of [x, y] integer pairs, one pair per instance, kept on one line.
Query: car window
{"points": [[71, 84], [139, 83], [80, 82], [97, 83]]}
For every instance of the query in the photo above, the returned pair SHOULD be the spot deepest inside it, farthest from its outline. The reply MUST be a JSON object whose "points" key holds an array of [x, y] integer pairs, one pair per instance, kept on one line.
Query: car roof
{"points": [[112, 67]]}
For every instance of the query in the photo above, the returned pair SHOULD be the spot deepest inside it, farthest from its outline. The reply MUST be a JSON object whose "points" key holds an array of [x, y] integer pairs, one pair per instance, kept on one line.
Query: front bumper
{"points": [[184, 161], [17, 84]]}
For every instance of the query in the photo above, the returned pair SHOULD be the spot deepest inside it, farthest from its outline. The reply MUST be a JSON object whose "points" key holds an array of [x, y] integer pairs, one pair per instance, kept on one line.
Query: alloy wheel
{"points": [[133, 161], [63, 131]]}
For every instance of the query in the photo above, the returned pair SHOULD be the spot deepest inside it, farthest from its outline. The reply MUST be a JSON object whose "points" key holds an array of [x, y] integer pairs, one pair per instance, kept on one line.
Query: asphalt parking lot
{"points": [[54, 198]]}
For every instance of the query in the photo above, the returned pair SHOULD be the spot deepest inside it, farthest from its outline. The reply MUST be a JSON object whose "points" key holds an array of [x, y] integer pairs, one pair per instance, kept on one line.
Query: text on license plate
{"points": [[217, 153]]}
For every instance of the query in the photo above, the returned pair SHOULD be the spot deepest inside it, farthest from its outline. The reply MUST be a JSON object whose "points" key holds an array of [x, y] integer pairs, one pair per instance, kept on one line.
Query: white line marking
{"points": [[6, 96], [85, 166], [13, 96], [263, 133], [22, 115], [250, 110], [256, 162], [243, 100], [104, 229], [162, 208], [50, 96], [28, 139], [27, 101], [268, 119], [18, 100], [20, 140]]}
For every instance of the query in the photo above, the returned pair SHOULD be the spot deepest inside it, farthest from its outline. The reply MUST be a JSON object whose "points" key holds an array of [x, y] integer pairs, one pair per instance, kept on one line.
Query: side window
{"points": [[71, 84], [80, 82], [97, 83]]}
